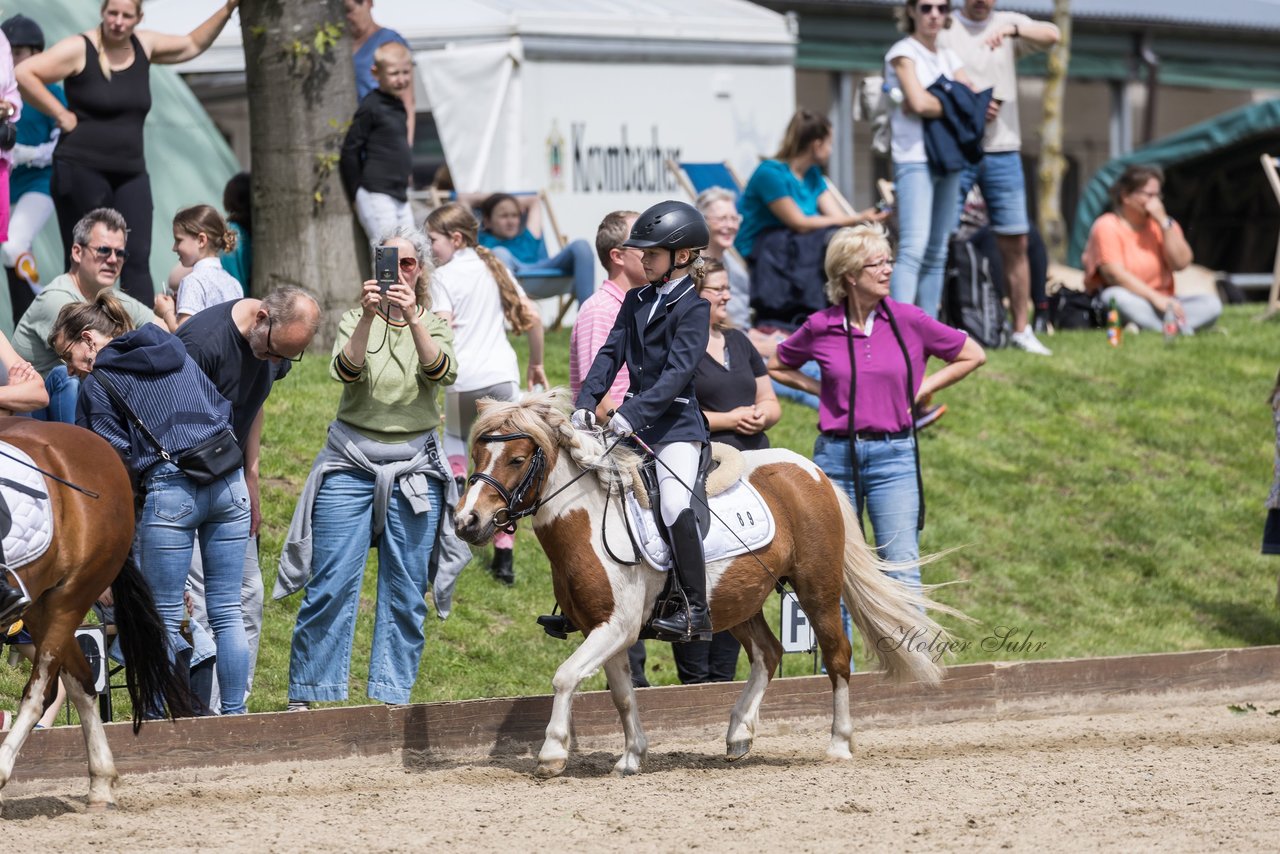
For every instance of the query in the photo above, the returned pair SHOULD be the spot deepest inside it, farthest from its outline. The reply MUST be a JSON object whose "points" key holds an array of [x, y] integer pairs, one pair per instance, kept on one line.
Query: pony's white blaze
{"points": [[473, 494]]}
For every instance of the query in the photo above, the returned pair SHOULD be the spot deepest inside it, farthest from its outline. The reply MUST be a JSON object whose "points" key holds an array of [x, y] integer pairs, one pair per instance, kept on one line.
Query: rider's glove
{"points": [[583, 419], [620, 426]]}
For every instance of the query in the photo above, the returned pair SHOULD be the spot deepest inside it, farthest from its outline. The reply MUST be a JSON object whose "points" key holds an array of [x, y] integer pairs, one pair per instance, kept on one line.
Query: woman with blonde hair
{"points": [[106, 77], [379, 479], [477, 295], [872, 352]]}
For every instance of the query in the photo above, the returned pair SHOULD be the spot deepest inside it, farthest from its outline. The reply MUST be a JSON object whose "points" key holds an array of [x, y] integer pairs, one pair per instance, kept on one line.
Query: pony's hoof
{"points": [[103, 806], [737, 749], [626, 769], [839, 754], [549, 768]]}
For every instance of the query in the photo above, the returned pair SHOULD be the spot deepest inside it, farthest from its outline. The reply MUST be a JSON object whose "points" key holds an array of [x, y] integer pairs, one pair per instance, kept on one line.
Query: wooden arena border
{"points": [[515, 725]]}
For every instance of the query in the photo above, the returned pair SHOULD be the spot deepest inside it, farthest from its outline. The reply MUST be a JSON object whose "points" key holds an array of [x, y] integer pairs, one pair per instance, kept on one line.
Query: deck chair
{"points": [[696, 177], [434, 198], [1270, 165]]}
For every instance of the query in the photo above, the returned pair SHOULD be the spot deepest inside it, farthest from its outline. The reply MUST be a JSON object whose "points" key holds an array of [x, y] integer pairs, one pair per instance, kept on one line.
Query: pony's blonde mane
{"points": [[545, 417]]}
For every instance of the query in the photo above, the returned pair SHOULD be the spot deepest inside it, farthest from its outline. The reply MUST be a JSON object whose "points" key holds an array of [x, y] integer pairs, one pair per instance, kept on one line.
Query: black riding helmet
{"points": [[670, 225], [21, 31]]}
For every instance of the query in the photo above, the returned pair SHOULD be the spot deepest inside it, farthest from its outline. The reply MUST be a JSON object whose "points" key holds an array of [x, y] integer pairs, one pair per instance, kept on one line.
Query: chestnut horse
{"points": [[90, 551], [529, 461]]}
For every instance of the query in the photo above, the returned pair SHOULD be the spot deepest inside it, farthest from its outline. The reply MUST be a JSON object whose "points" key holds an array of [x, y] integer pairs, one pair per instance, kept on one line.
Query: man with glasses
{"points": [[97, 257], [244, 346], [989, 44]]}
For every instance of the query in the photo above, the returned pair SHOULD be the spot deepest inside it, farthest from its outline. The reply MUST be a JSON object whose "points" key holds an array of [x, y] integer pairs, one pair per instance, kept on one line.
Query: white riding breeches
{"points": [[677, 471]]}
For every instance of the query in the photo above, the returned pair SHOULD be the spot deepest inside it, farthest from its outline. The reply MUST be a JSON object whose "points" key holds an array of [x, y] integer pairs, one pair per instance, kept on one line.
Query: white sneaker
{"points": [[1027, 341]]}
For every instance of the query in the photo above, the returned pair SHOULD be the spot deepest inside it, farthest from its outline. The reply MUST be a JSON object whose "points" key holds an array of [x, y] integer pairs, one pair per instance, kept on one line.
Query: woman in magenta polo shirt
{"points": [[886, 344]]}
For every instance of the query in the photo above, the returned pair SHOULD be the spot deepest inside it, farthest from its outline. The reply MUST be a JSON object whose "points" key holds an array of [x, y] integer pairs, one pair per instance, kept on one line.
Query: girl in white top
{"points": [[200, 235], [927, 204], [479, 297]]}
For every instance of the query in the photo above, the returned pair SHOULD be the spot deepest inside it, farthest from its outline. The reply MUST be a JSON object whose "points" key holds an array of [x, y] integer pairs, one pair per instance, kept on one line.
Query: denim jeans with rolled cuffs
{"points": [[342, 520], [927, 214], [576, 261], [177, 514], [1004, 189]]}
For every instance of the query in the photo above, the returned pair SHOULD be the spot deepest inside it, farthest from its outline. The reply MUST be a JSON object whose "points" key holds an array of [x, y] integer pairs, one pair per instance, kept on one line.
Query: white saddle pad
{"points": [[24, 491], [740, 522]]}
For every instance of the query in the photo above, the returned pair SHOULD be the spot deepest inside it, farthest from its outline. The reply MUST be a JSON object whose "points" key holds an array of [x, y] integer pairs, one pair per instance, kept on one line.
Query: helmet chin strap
{"points": [[666, 277]]}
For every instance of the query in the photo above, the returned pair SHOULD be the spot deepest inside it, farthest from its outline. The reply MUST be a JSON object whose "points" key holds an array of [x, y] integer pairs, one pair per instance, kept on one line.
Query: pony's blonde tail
{"points": [[890, 615]]}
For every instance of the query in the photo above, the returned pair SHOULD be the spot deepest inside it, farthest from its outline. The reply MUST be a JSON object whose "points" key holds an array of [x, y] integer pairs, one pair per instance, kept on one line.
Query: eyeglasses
{"points": [[930, 8], [715, 291], [65, 354], [272, 353], [407, 264], [105, 252], [728, 219], [883, 262]]}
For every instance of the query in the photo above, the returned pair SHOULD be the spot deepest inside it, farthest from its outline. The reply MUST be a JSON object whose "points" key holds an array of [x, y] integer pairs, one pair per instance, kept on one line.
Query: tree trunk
{"points": [[301, 87], [1052, 164]]}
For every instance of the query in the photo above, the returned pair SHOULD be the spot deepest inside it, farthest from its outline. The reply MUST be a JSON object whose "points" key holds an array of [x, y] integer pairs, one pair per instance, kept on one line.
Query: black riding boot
{"points": [[682, 625], [13, 601]]}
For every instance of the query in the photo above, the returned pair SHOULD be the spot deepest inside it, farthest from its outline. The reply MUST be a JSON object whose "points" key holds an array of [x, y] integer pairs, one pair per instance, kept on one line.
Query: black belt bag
{"points": [[215, 457]]}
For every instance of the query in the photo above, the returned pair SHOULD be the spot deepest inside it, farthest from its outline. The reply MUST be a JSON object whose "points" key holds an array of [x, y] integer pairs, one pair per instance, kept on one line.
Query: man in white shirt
{"points": [[989, 43]]}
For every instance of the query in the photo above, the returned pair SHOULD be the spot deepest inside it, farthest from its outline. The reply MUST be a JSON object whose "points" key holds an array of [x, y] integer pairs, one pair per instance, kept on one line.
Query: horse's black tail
{"points": [[150, 673]]}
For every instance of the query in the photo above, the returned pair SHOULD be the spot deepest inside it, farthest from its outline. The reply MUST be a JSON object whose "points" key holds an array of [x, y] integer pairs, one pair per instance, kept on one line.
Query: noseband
{"points": [[529, 487]]}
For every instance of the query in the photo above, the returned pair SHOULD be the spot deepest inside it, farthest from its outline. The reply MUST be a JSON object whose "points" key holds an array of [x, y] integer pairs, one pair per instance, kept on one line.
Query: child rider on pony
{"points": [[661, 333]]}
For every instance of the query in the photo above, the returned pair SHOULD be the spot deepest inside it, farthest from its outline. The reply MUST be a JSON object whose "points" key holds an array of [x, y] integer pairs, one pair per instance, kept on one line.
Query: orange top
{"points": [[1139, 251]]}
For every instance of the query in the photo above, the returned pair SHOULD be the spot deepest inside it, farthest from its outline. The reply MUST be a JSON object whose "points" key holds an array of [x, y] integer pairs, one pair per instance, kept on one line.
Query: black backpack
{"points": [[971, 300]]}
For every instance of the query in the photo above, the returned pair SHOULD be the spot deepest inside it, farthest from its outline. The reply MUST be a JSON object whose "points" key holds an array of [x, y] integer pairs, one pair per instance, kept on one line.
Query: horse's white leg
{"points": [[29, 712], [601, 645], [841, 721], [102, 766], [618, 669], [760, 642]]}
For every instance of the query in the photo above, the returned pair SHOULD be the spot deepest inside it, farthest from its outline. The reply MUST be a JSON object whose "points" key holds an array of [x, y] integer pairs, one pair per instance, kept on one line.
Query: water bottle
{"points": [[1170, 324], [1115, 331]]}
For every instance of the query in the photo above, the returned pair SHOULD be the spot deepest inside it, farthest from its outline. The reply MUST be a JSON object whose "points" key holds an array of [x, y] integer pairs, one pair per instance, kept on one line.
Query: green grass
{"points": [[1105, 501]]}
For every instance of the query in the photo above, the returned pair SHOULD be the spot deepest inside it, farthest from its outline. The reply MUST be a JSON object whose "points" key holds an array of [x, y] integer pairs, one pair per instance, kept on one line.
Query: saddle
{"points": [[741, 521], [26, 515]]}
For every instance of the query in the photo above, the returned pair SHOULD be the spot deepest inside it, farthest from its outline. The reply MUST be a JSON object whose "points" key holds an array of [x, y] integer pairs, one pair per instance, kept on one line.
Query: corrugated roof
{"points": [[1253, 15]]}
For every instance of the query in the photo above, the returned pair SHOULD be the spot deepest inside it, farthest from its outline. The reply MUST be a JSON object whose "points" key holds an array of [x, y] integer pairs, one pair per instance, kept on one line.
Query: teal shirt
{"points": [[526, 248], [34, 128], [771, 181], [239, 261]]}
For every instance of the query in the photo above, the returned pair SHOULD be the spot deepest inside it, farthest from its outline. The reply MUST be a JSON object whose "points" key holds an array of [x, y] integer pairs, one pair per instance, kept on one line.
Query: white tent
{"points": [[581, 98]]}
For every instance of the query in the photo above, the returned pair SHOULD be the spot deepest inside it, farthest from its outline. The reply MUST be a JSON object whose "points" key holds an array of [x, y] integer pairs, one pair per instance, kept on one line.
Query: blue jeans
{"points": [[927, 214], [64, 390], [809, 369], [886, 490], [341, 521], [576, 261], [175, 512], [1004, 189]]}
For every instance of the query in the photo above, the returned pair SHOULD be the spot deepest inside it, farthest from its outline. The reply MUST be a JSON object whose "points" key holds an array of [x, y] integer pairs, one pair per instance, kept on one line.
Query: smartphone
{"points": [[386, 266]]}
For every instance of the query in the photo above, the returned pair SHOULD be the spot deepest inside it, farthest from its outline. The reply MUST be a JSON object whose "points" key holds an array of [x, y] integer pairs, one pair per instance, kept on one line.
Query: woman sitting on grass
{"points": [[1133, 251]]}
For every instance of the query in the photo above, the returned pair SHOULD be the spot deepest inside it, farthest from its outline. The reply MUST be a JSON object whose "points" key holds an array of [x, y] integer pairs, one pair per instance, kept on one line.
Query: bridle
{"points": [[530, 484]]}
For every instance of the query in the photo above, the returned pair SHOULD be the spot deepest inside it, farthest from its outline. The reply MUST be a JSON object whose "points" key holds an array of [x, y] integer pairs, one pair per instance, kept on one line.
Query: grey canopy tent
{"points": [[1212, 187]]}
